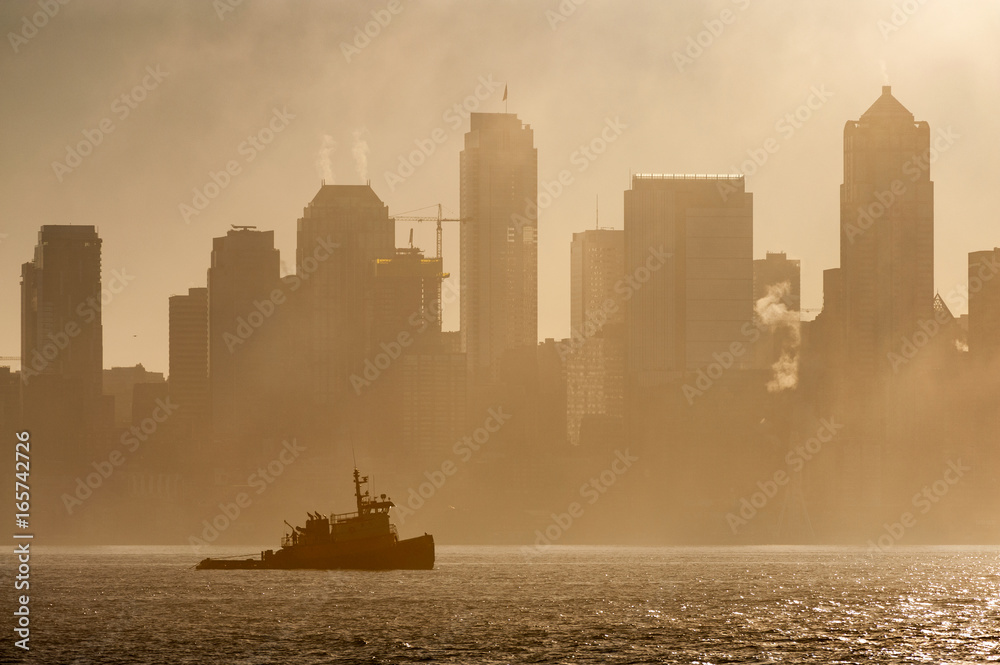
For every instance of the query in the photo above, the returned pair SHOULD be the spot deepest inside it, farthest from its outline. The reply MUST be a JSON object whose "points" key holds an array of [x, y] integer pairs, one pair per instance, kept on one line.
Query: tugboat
{"points": [[364, 540]]}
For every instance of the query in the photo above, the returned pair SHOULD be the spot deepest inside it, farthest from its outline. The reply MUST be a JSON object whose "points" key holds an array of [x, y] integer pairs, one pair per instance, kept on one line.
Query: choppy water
{"points": [[497, 605]]}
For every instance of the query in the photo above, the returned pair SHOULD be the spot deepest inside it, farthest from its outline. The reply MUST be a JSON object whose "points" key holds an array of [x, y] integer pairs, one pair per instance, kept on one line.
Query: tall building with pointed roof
{"points": [[887, 234]]}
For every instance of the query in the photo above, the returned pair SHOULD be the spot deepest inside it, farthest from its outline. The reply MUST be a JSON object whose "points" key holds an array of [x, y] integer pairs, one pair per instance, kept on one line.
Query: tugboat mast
{"points": [[357, 490]]}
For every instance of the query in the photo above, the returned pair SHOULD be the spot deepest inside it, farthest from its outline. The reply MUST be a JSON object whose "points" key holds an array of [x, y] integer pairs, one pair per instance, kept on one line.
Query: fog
{"points": [[200, 117]]}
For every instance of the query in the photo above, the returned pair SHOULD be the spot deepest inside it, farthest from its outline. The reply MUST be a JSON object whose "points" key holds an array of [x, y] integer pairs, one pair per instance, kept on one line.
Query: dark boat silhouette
{"points": [[364, 540]]}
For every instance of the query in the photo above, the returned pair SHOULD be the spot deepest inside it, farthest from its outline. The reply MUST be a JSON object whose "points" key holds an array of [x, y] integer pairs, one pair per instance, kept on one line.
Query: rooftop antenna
{"points": [[411, 237], [504, 98], [597, 212]]}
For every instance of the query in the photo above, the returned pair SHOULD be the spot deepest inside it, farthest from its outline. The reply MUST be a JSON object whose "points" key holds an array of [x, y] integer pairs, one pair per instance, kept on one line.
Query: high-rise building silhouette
{"points": [[597, 265], [499, 263], [595, 361], [10, 399], [882, 293], [886, 234], [405, 300], [823, 337], [62, 347], [61, 368], [416, 403], [984, 304], [61, 330], [343, 231], [688, 271], [242, 278], [188, 353], [553, 430]]}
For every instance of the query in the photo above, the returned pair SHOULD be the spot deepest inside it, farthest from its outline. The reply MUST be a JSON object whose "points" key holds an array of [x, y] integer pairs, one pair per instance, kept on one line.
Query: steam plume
{"points": [[323, 164], [773, 313], [360, 152]]}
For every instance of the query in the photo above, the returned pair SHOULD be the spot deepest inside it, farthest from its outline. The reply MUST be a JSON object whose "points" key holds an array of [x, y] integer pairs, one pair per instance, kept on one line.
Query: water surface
{"points": [[500, 605]]}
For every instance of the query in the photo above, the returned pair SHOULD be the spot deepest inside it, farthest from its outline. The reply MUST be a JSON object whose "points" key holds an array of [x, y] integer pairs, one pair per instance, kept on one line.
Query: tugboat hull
{"points": [[383, 553]]}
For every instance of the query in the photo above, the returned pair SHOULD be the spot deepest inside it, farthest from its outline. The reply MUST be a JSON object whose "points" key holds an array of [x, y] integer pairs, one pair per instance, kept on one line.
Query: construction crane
{"points": [[440, 218], [17, 358]]}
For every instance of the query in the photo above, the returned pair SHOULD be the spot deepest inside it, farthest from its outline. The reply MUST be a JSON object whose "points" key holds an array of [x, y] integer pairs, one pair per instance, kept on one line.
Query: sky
{"points": [[164, 95]]}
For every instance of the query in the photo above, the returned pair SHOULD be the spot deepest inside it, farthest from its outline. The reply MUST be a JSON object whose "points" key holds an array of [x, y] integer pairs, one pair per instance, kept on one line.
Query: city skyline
{"points": [[390, 381], [648, 331], [794, 214]]}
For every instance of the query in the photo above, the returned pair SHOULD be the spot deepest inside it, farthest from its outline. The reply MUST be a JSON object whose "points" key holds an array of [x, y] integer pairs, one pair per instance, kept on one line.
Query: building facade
{"points": [[499, 262], [886, 235], [62, 347], [243, 276], [595, 362], [188, 357], [341, 235], [984, 305], [689, 272]]}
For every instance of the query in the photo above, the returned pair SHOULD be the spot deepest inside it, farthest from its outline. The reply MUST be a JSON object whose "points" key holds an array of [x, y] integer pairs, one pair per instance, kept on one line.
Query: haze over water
{"points": [[660, 331], [493, 605]]}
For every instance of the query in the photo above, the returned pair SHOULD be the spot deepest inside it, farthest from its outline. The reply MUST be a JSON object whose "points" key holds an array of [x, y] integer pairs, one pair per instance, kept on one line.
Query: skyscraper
{"points": [[595, 363], [499, 263], [61, 330], [887, 234], [688, 271], [597, 265], [188, 378], [243, 275], [405, 401], [62, 358], [984, 305], [886, 290], [405, 300], [343, 231], [10, 399]]}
